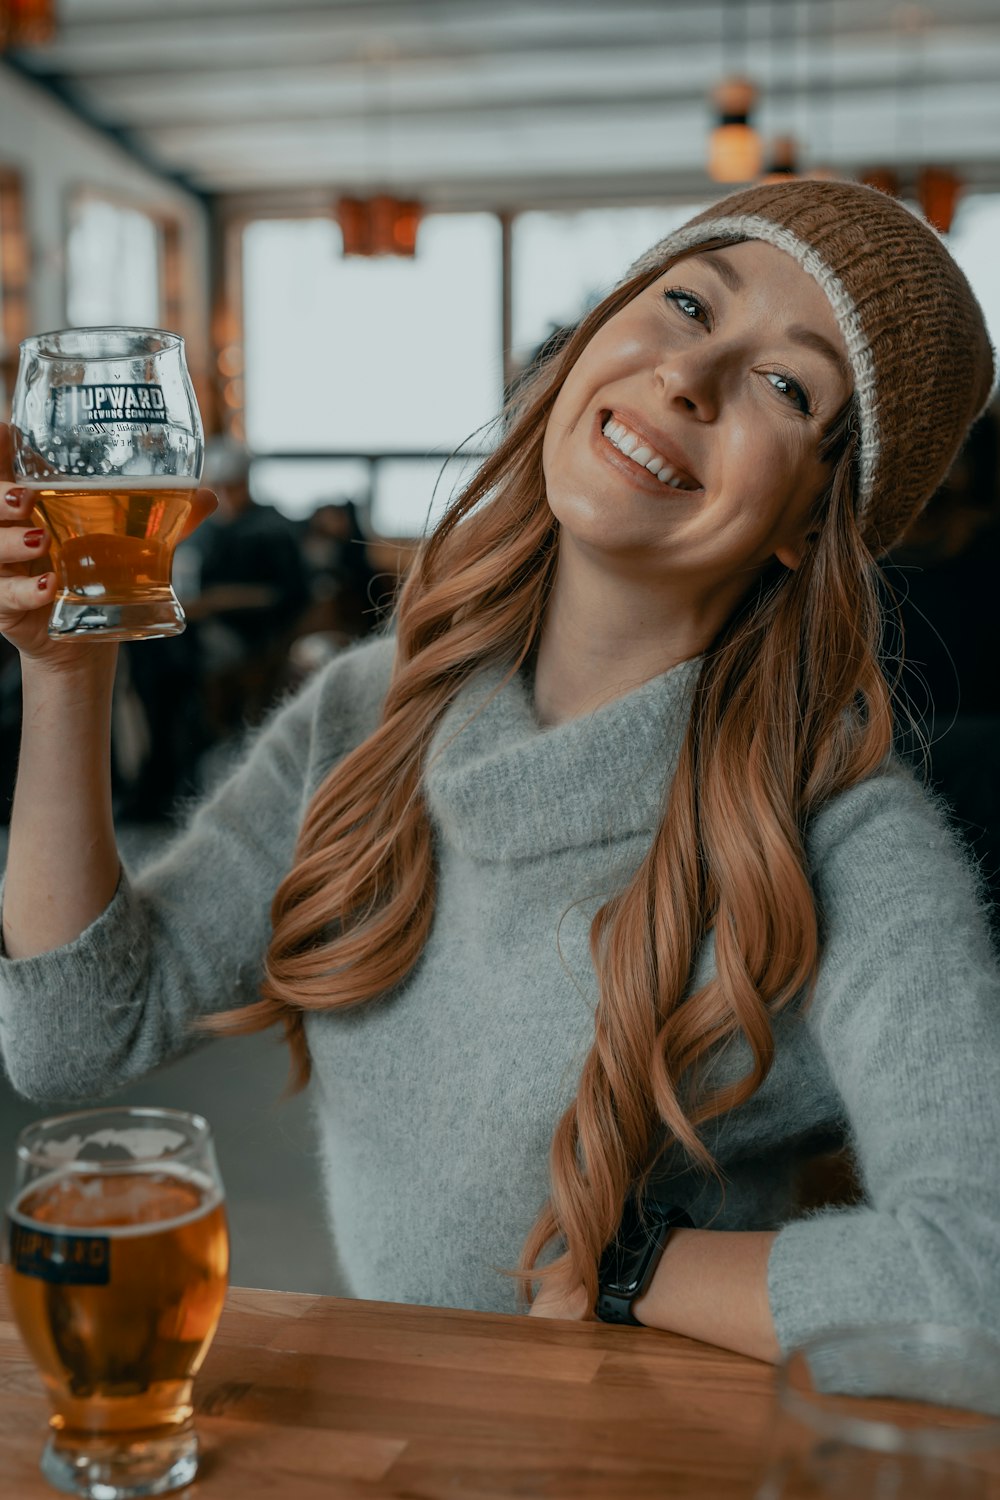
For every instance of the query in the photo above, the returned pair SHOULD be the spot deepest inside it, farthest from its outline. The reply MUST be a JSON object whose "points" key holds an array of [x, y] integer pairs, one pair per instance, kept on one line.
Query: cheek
{"points": [[762, 459]]}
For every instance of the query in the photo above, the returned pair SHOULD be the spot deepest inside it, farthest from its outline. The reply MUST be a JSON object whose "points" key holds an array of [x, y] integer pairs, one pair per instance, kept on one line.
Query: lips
{"points": [[651, 451]]}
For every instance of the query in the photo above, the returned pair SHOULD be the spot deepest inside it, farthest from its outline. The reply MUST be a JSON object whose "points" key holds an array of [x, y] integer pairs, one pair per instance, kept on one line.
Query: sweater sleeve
{"points": [[907, 1015], [187, 936]]}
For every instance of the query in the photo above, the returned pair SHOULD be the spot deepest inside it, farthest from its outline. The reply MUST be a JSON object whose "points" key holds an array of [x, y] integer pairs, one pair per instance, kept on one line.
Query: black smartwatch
{"points": [[628, 1263]]}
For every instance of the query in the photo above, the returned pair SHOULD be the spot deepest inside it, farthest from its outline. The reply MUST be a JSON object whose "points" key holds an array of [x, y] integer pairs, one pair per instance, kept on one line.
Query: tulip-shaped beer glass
{"points": [[108, 436], [117, 1264]]}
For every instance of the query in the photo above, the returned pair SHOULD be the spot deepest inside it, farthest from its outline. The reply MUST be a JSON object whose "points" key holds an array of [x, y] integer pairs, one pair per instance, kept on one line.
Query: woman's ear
{"points": [[790, 554]]}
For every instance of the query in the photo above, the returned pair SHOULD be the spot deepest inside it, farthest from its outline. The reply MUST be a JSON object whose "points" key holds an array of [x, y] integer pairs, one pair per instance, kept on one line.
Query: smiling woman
{"points": [[591, 899], [720, 381]]}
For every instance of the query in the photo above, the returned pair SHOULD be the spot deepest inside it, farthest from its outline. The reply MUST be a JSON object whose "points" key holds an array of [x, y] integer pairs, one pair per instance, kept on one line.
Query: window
{"points": [[564, 263], [396, 497], [409, 496], [113, 265], [973, 242], [297, 488], [371, 356]]}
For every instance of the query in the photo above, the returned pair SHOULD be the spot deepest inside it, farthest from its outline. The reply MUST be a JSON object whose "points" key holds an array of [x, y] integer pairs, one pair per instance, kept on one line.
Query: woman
{"points": [[596, 883]]}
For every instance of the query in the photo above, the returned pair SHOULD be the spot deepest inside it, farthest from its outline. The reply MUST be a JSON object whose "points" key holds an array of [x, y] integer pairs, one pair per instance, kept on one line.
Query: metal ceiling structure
{"points": [[468, 103]]}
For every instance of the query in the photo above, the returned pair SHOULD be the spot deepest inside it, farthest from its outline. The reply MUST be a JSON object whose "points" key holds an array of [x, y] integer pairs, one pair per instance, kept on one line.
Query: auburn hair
{"points": [[790, 707]]}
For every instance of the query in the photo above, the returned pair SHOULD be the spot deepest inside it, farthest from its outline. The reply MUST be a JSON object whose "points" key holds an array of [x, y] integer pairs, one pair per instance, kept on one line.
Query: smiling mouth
{"points": [[632, 446]]}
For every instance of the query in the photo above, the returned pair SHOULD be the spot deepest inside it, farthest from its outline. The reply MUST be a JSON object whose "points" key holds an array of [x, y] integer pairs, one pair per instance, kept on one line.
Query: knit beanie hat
{"points": [[915, 335]]}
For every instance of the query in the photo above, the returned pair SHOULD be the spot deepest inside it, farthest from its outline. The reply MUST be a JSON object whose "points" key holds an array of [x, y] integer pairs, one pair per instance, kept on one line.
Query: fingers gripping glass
{"points": [[117, 1259], [108, 436]]}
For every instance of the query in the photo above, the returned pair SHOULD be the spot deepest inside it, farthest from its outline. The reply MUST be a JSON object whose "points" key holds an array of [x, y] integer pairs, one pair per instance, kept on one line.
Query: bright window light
{"points": [[973, 242], [564, 263], [113, 266], [297, 487], [411, 495], [371, 356]]}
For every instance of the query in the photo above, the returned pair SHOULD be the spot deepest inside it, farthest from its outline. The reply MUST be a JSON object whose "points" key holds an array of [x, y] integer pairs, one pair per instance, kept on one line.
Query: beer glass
{"points": [[107, 434], [117, 1259], [888, 1412]]}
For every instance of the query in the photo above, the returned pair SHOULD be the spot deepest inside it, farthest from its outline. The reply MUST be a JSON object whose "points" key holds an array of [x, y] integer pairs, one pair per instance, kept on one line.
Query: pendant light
{"points": [[26, 23], [734, 147], [939, 189], [381, 223], [782, 160]]}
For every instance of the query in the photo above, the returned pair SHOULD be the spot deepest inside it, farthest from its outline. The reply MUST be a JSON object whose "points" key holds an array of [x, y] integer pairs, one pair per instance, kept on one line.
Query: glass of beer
{"points": [[117, 1260], [887, 1412], [108, 435]]}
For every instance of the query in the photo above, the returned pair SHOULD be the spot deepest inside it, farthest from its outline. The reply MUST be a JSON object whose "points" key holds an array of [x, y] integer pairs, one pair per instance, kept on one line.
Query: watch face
{"points": [[625, 1261]]}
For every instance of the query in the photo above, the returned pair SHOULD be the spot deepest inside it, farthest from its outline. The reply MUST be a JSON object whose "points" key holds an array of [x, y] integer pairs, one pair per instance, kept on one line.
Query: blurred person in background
{"points": [[253, 588], [944, 575], [344, 587]]}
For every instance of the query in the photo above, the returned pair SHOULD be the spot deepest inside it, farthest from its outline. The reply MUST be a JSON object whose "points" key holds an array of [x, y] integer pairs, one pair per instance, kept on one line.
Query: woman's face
{"points": [[721, 377]]}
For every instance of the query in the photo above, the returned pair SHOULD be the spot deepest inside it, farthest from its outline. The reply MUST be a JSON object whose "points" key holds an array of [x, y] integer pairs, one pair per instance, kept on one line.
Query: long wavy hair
{"points": [[790, 707]]}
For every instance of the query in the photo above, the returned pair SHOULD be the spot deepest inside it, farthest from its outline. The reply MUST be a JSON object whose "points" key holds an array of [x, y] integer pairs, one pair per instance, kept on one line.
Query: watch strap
{"points": [[614, 1309], [653, 1227]]}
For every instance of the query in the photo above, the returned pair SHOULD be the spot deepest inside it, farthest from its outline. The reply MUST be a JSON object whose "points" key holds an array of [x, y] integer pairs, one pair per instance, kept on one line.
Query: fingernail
{"points": [[43, 583], [34, 538], [15, 498]]}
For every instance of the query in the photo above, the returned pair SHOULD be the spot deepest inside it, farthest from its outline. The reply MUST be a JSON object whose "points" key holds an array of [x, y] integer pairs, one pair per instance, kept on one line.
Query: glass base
{"points": [[138, 620], [117, 1468]]}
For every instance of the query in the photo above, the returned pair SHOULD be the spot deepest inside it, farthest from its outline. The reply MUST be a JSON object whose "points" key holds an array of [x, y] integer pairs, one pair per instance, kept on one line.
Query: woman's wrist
{"points": [[75, 667], [712, 1285]]}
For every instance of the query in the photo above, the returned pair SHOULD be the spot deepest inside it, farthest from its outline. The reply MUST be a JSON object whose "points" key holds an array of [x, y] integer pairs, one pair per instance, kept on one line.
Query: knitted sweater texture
{"points": [[436, 1103]]}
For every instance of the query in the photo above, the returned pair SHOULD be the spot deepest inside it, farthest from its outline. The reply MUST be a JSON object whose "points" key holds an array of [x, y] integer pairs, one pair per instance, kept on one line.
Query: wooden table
{"points": [[307, 1397]]}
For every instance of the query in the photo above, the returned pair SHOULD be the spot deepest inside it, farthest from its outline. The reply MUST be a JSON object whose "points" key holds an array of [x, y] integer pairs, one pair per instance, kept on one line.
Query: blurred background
{"points": [[367, 217]]}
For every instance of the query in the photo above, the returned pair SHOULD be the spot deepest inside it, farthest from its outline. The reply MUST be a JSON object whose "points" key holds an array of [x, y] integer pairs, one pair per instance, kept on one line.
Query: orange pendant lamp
{"points": [[782, 160], [27, 23], [734, 147], [939, 189], [382, 225]]}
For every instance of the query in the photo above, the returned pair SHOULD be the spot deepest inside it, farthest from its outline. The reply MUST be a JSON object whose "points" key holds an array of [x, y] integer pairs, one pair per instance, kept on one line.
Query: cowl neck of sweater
{"points": [[502, 786]]}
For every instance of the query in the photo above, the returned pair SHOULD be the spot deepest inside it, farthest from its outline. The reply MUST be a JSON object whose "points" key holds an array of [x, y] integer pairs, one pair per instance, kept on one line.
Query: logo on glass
{"points": [[62, 1259], [73, 405]]}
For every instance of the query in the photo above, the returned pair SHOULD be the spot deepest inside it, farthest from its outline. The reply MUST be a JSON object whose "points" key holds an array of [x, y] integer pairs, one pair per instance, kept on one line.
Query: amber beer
{"points": [[117, 1282], [114, 545]]}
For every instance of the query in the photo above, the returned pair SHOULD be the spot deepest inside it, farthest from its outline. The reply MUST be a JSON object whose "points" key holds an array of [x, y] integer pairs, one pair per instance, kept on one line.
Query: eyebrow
{"points": [[724, 269], [813, 340], [807, 337]]}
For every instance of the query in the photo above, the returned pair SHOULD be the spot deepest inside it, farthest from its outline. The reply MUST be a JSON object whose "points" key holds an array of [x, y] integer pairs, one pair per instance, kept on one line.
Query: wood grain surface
{"points": [[306, 1397]]}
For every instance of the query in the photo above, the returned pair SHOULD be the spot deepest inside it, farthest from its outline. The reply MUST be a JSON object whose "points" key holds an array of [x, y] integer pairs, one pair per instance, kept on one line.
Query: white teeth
{"points": [[633, 447]]}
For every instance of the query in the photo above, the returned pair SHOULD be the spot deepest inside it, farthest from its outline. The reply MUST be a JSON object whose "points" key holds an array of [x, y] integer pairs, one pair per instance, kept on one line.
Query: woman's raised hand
{"points": [[27, 582]]}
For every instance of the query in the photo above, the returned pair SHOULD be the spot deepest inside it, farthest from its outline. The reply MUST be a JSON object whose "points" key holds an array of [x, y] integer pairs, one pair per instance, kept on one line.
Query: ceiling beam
{"points": [[63, 92]]}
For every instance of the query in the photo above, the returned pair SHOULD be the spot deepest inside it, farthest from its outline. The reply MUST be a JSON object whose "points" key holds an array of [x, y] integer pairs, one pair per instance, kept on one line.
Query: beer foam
{"points": [[141, 1142], [209, 1191], [102, 483]]}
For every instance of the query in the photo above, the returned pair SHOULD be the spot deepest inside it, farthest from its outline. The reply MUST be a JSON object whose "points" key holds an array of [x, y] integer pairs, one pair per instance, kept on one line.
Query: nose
{"points": [[690, 381]]}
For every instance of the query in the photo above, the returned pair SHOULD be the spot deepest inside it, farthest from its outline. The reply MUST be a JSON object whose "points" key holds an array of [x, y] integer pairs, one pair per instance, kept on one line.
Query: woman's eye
{"points": [[790, 389], [690, 306]]}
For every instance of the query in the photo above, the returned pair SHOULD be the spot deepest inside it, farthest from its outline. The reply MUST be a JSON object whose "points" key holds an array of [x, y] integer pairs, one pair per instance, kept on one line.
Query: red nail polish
{"points": [[34, 538], [14, 498], [42, 583]]}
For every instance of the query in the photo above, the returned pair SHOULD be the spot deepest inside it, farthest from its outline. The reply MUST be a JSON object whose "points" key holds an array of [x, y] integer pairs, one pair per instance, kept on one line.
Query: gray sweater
{"points": [[436, 1103]]}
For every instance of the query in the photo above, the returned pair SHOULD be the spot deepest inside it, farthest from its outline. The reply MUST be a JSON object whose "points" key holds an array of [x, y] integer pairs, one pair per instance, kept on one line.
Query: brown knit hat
{"points": [[915, 335]]}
